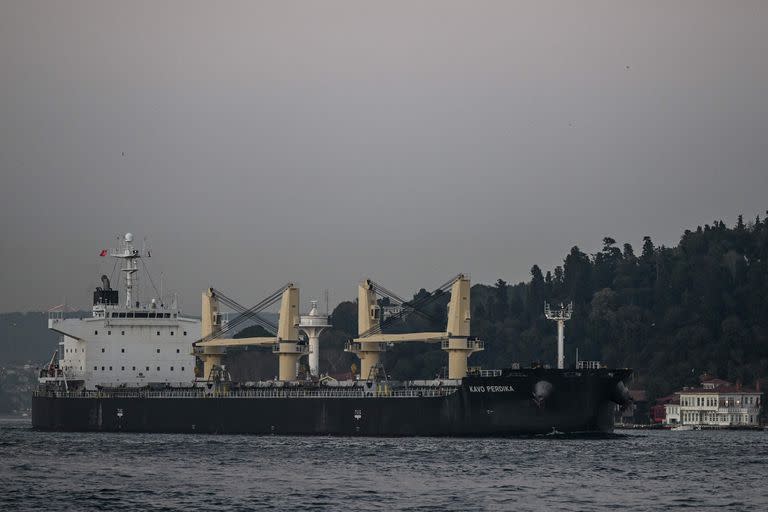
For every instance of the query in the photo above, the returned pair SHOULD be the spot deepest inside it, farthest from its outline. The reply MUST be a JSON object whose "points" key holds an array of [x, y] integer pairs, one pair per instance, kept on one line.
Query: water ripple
{"points": [[635, 471]]}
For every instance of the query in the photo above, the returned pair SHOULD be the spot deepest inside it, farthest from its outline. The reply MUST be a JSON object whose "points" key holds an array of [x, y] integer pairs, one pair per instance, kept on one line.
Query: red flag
{"points": [[103, 252]]}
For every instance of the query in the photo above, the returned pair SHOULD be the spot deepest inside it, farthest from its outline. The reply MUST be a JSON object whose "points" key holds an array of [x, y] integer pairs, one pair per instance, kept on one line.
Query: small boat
{"points": [[682, 427]]}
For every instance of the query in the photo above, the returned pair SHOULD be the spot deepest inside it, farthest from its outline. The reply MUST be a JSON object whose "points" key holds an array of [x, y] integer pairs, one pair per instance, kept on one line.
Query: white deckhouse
{"points": [[126, 344]]}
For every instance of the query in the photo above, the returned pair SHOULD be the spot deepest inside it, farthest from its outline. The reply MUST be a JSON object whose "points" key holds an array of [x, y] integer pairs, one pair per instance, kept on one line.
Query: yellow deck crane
{"points": [[455, 340], [213, 344]]}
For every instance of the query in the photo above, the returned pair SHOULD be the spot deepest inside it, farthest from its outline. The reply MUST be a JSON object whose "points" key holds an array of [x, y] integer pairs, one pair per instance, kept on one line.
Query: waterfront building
{"points": [[716, 403]]}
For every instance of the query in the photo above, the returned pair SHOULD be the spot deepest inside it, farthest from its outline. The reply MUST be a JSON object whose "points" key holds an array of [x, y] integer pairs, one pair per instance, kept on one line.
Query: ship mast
{"points": [[128, 253]]}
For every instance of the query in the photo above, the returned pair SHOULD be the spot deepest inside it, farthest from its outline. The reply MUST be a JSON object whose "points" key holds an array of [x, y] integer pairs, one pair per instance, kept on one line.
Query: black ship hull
{"points": [[525, 402]]}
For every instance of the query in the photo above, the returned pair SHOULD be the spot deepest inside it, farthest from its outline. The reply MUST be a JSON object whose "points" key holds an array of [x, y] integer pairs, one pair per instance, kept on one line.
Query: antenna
{"points": [[326, 302], [559, 315]]}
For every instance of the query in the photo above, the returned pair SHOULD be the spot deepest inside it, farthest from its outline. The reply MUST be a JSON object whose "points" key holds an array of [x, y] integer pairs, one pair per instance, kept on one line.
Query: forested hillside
{"points": [[671, 313]]}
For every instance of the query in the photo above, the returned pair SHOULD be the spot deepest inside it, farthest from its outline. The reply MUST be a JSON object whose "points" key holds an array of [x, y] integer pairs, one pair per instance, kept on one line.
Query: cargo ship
{"points": [[134, 366]]}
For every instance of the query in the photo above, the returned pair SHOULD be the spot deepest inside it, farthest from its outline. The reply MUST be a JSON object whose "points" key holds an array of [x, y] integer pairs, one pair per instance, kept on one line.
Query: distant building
{"points": [[717, 403], [659, 411]]}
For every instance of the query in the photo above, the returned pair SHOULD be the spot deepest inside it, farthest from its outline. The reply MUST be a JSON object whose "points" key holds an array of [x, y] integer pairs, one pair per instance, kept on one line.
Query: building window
{"points": [[134, 368], [109, 333], [177, 351], [171, 333], [102, 368], [102, 350], [171, 368], [110, 368], [182, 368], [158, 333], [147, 368], [158, 368], [158, 351], [122, 333], [185, 333], [95, 368], [95, 333], [122, 350], [122, 368]]}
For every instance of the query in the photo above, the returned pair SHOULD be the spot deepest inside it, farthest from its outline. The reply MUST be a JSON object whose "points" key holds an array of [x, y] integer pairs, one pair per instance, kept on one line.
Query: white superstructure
{"points": [[129, 344]]}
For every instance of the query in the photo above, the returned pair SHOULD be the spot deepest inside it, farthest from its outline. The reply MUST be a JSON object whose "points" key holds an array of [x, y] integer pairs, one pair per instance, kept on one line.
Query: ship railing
{"points": [[485, 373], [257, 393]]}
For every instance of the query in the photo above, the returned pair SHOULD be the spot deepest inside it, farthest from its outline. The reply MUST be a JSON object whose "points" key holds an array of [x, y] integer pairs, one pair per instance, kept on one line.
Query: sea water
{"points": [[632, 471]]}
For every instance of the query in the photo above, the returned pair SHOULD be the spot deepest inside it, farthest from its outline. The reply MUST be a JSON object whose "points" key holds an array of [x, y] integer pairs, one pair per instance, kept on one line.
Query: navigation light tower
{"points": [[560, 315]]}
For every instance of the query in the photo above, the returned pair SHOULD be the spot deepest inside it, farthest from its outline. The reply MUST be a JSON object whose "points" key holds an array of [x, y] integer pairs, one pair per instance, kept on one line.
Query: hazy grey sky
{"points": [[321, 142]]}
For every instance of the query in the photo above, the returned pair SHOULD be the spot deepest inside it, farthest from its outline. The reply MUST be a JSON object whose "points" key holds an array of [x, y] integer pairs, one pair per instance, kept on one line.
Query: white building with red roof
{"points": [[716, 403]]}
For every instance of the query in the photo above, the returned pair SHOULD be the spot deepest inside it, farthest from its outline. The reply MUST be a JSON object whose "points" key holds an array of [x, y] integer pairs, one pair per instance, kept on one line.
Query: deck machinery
{"points": [[371, 343]]}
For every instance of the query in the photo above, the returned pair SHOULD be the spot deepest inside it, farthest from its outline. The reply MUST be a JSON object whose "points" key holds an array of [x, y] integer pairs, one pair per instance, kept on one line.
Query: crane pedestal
{"points": [[288, 354], [459, 350], [212, 357], [369, 353]]}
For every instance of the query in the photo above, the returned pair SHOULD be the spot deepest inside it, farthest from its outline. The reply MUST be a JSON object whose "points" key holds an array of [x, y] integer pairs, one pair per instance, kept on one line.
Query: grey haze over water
{"points": [[319, 142]]}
